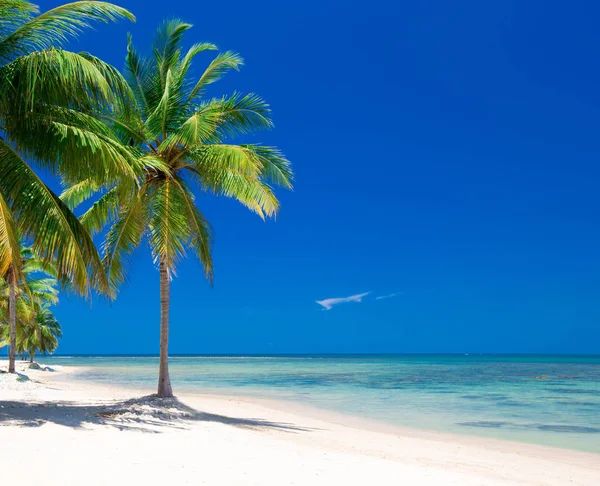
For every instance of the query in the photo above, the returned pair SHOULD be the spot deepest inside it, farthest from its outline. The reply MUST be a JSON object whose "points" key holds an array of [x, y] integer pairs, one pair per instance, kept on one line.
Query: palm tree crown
{"points": [[179, 138], [44, 95]]}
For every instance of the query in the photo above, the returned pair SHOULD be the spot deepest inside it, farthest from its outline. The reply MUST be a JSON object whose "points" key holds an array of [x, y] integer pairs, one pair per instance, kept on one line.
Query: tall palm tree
{"points": [[181, 140], [45, 94]]}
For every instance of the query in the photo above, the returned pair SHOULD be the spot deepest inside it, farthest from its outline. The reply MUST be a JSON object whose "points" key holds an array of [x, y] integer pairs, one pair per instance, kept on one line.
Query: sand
{"points": [[56, 430]]}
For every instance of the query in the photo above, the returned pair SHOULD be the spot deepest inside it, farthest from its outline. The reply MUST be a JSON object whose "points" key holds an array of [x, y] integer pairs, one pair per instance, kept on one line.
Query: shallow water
{"points": [[548, 400]]}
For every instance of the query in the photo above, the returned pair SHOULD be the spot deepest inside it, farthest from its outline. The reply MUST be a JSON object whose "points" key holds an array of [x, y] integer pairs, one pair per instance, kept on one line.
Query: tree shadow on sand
{"points": [[146, 414]]}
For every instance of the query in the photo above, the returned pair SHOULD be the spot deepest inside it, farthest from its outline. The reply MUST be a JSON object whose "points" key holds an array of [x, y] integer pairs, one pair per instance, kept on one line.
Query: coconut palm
{"points": [[37, 329], [181, 139], [41, 333], [19, 300], [35, 293], [45, 94]]}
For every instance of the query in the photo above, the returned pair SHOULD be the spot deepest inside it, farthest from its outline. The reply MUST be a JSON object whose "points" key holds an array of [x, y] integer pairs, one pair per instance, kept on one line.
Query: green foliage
{"points": [[41, 333], [36, 327], [47, 96], [22, 32], [181, 140]]}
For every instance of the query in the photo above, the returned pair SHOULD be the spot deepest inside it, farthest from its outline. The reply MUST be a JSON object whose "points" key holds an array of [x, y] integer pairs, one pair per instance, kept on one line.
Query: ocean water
{"points": [[547, 400]]}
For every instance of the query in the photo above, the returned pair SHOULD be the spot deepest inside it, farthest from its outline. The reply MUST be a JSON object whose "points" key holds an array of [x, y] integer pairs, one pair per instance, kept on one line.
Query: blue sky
{"points": [[446, 152]]}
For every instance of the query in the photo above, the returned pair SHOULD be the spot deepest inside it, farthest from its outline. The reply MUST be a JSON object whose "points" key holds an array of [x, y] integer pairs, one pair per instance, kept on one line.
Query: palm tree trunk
{"points": [[164, 382], [12, 319], [31, 356]]}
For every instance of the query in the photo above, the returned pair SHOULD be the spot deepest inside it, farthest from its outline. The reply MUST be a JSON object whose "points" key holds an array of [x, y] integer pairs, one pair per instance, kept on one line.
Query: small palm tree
{"points": [[37, 329], [35, 293], [41, 333], [45, 94], [181, 140]]}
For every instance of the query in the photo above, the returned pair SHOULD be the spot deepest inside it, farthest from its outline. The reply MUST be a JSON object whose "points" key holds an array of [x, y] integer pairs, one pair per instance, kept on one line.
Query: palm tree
{"points": [[45, 94], [41, 333], [37, 329], [36, 291], [180, 139]]}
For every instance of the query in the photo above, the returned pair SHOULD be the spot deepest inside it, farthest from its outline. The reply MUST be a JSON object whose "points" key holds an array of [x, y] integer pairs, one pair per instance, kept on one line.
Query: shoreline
{"points": [[271, 442], [339, 417]]}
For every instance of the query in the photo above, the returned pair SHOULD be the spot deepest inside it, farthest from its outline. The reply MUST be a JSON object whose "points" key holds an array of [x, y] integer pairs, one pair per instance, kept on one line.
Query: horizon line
{"points": [[267, 355]]}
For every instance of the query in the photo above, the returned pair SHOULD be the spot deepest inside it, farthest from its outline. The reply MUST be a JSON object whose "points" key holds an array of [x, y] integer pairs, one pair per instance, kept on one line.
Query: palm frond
{"points": [[200, 230], [129, 129], [254, 194], [220, 65], [196, 130], [155, 164], [168, 224], [137, 72], [124, 237], [73, 143], [161, 118], [9, 239], [212, 158], [239, 115], [13, 14], [167, 46], [221, 118], [79, 192], [52, 77], [192, 52], [56, 26], [276, 168], [44, 290], [34, 264], [123, 97], [56, 233], [102, 212], [242, 172]]}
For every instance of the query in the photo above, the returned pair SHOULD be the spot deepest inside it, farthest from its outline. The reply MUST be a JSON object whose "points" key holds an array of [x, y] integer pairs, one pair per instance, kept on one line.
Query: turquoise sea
{"points": [[548, 400]]}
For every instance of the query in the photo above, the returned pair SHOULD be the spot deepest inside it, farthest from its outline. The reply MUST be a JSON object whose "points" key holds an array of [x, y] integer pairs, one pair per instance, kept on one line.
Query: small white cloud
{"points": [[388, 296], [329, 303]]}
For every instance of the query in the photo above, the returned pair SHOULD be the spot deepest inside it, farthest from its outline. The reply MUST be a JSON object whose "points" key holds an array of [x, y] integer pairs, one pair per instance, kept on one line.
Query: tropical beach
{"points": [[210, 439], [307, 243]]}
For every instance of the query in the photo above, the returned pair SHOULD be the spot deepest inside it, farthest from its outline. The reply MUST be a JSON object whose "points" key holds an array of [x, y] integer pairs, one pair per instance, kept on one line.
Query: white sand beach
{"points": [[78, 433]]}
